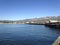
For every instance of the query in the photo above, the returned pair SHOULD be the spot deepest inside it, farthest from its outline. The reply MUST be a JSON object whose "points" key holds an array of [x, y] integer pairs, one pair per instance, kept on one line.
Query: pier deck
{"points": [[57, 41]]}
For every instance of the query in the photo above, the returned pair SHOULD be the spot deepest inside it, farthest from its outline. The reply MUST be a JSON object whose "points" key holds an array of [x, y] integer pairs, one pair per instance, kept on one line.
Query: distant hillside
{"points": [[41, 20], [34, 20]]}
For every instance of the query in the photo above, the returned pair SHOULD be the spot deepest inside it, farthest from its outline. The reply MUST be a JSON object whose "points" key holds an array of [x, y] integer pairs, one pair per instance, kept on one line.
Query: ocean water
{"points": [[23, 34]]}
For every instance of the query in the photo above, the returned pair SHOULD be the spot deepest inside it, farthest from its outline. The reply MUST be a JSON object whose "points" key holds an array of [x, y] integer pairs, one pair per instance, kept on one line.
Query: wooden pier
{"points": [[57, 41], [53, 24]]}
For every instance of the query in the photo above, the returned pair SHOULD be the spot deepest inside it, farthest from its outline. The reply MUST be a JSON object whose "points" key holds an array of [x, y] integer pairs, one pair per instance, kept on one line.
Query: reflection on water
{"points": [[18, 34]]}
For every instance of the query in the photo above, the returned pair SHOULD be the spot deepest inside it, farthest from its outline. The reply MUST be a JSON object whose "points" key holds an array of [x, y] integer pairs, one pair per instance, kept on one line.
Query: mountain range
{"points": [[33, 20]]}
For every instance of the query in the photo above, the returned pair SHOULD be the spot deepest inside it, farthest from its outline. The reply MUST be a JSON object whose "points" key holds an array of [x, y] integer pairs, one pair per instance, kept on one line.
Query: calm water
{"points": [[17, 34]]}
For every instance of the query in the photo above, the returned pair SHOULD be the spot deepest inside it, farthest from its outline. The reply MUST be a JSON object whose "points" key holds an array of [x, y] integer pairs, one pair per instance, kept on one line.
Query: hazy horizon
{"points": [[27, 9]]}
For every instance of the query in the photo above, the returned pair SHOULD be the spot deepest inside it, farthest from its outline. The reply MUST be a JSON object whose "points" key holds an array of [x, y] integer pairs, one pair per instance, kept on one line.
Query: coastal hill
{"points": [[34, 20], [40, 20]]}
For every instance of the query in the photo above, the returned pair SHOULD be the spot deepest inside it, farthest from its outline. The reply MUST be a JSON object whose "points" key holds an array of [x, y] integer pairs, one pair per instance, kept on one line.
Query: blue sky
{"points": [[25, 9]]}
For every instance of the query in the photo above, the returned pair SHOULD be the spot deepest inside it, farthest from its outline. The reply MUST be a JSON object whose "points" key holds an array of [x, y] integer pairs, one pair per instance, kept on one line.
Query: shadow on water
{"points": [[54, 30], [53, 27]]}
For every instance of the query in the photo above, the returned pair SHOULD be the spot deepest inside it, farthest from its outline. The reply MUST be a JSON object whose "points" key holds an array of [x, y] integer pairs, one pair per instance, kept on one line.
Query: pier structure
{"points": [[57, 41], [53, 23]]}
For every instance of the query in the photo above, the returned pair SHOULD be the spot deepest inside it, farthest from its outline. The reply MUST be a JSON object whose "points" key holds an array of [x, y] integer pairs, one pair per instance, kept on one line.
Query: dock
{"points": [[57, 41], [53, 24]]}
